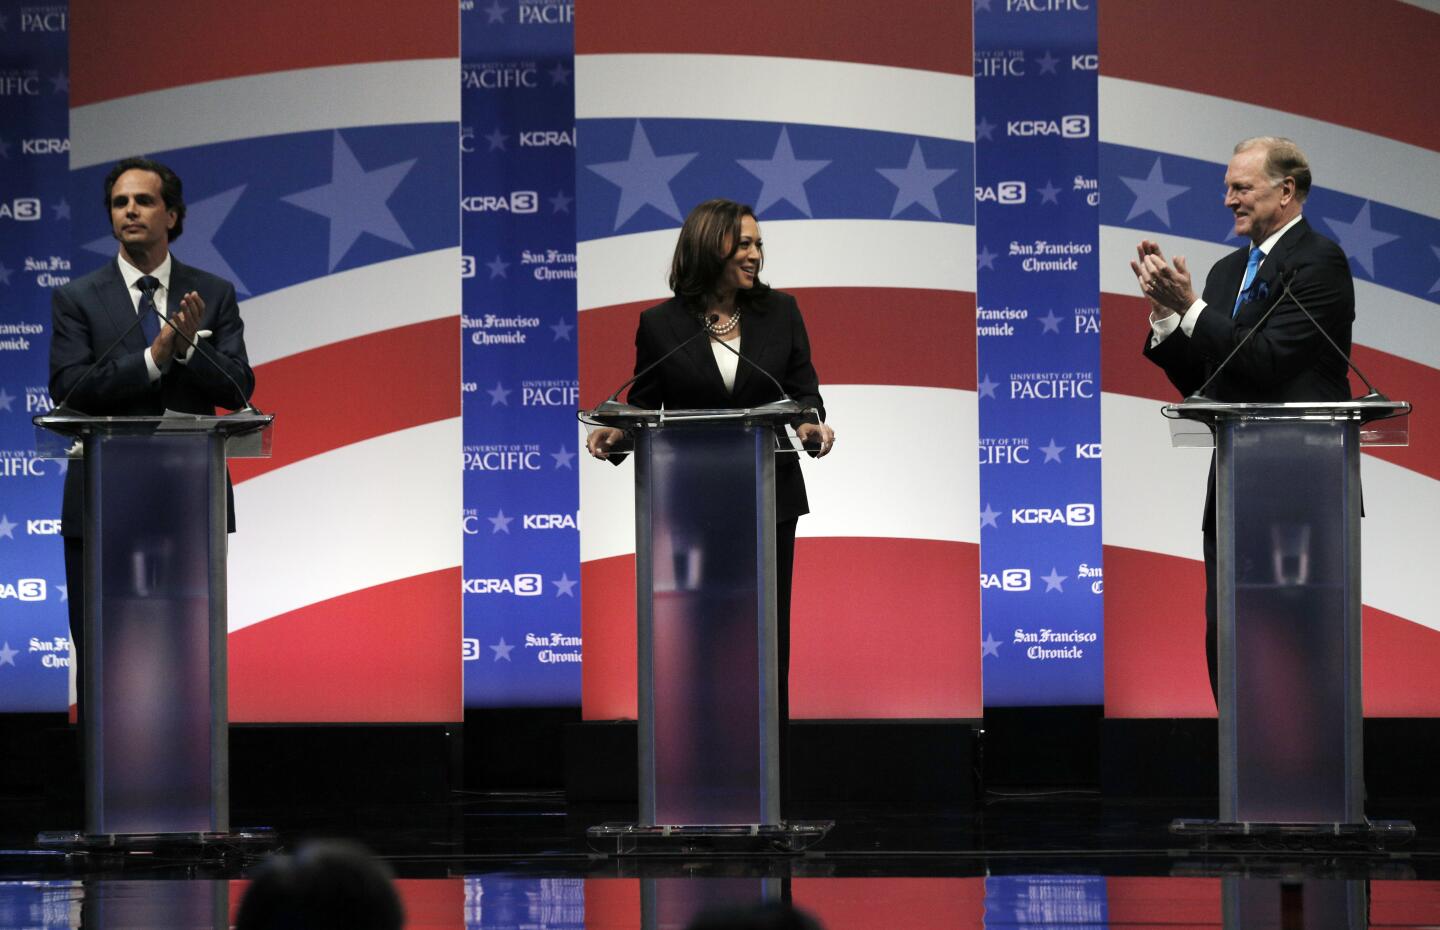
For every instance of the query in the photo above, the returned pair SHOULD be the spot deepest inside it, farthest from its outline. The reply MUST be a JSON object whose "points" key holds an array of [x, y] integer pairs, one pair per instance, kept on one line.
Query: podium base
{"points": [[202, 845], [1373, 833], [631, 839]]}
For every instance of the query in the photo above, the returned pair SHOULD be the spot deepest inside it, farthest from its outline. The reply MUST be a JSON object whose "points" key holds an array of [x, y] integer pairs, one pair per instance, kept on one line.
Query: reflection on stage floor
{"points": [[521, 861]]}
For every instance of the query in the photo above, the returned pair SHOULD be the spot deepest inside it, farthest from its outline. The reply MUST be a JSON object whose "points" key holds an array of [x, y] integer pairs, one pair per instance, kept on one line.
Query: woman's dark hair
{"points": [[708, 240], [329, 885], [171, 190]]}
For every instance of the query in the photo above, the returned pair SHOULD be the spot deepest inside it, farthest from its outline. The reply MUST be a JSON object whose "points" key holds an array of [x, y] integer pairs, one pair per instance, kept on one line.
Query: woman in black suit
{"points": [[715, 277]]}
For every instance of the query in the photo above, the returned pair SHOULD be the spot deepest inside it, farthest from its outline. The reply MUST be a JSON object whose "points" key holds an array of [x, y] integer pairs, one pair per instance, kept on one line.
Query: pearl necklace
{"points": [[728, 327]]}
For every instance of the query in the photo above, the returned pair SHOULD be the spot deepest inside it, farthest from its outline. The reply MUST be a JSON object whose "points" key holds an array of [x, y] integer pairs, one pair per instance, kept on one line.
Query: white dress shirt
{"points": [[132, 276]]}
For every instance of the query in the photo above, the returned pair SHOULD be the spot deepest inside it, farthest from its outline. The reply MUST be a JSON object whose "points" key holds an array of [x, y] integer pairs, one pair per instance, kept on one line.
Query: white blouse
{"points": [[727, 361]]}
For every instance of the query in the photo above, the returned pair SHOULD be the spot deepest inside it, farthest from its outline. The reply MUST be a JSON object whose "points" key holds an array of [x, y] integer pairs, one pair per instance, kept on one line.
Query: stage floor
{"points": [[1036, 860]]}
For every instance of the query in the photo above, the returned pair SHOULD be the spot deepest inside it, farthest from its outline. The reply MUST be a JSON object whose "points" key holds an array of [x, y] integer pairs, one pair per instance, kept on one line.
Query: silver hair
{"points": [[1283, 159]]}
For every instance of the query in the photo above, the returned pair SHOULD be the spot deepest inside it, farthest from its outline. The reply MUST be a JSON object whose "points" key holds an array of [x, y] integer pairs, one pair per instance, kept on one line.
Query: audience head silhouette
{"points": [[324, 885]]}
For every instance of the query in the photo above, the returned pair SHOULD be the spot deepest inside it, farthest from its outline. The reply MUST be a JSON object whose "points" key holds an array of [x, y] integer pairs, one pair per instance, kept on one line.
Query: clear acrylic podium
{"points": [[705, 617], [156, 718], [1287, 518]]}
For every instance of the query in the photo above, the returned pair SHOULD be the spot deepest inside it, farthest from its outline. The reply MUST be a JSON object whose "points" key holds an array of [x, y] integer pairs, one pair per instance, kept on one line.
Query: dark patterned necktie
{"points": [[149, 320]]}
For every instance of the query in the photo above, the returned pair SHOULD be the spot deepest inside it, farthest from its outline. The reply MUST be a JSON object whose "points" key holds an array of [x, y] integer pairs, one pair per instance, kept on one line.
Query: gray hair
{"points": [[1283, 159]]}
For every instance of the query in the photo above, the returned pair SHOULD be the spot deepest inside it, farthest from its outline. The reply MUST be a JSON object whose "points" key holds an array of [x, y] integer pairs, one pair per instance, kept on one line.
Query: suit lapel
{"points": [[756, 339], [114, 296], [182, 282], [1266, 286], [684, 325], [1279, 256]]}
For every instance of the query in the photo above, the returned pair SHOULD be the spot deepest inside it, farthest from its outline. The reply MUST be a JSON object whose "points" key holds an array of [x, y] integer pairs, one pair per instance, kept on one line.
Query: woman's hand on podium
{"points": [[817, 438], [600, 441]]}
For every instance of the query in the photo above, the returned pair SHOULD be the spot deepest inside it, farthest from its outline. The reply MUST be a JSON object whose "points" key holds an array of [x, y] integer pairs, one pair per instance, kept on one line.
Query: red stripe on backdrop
{"points": [[1363, 65], [361, 657], [1125, 370], [432, 904], [1400, 658], [1155, 635], [612, 903], [863, 903], [1419, 384], [1171, 903], [119, 49], [885, 628], [376, 376], [904, 33], [1155, 645], [1404, 904], [868, 639], [858, 335], [607, 628]]}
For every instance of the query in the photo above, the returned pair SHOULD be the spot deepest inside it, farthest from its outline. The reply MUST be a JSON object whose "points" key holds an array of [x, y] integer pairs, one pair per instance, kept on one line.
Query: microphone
{"points": [[1374, 394], [1285, 277], [205, 353], [64, 401], [784, 397], [611, 402]]}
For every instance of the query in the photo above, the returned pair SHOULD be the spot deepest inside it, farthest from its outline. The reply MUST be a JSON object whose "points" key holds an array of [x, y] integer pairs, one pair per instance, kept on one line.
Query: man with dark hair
{"points": [[140, 317], [1286, 358], [172, 191]]}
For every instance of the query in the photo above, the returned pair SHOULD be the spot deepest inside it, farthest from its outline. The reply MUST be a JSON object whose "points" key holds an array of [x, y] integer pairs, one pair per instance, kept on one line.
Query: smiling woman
{"points": [[715, 276]]}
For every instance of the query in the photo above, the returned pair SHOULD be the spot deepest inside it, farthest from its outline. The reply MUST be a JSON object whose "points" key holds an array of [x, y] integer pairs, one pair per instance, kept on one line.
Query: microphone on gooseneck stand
{"points": [[784, 397], [611, 402], [1285, 277], [245, 404], [1374, 394], [64, 405], [207, 354]]}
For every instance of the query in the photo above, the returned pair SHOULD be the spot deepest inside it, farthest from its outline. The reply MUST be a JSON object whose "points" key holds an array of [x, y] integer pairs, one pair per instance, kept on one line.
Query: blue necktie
{"points": [[149, 322], [1251, 266]]}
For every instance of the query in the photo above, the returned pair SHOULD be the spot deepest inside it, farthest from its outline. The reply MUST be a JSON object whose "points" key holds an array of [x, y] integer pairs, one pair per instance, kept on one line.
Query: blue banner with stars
{"points": [[34, 257], [1038, 357], [521, 520]]}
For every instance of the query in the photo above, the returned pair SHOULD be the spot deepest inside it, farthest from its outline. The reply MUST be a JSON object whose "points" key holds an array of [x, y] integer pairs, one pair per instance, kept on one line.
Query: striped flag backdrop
{"points": [[816, 120], [1179, 85], [848, 127], [319, 152]]}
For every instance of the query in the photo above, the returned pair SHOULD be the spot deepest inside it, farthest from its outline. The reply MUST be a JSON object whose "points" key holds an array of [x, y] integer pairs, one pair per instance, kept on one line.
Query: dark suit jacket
{"points": [[1287, 359], [91, 313], [772, 337]]}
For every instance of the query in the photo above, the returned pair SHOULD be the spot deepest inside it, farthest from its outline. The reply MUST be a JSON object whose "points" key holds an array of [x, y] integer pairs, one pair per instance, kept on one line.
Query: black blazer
{"points": [[773, 337], [1287, 359], [91, 312]]}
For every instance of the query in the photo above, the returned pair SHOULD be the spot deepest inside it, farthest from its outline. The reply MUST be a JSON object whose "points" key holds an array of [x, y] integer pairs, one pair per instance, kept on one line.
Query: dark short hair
{"points": [[171, 190], [327, 885], [1283, 159], [708, 240]]}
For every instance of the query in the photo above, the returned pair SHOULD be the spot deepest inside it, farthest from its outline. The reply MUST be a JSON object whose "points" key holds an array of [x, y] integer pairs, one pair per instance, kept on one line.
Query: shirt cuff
{"points": [[150, 365], [1163, 327], [1187, 322]]}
